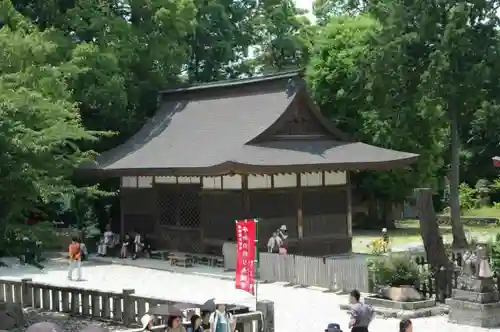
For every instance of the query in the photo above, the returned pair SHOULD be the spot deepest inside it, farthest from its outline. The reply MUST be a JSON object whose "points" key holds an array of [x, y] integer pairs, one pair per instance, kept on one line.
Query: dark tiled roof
{"points": [[209, 129]]}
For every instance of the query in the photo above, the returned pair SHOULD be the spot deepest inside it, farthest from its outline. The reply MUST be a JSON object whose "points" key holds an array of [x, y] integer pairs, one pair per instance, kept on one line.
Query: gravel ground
{"points": [[68, 323], [296, 309]]}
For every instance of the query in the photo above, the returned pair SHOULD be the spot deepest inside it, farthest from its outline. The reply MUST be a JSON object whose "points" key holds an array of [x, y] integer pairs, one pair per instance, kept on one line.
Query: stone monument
{"points": [[475, 301]]}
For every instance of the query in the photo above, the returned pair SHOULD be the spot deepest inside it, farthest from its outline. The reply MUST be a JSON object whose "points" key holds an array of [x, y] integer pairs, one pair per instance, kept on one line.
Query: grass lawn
{"points": [[408, 232]]}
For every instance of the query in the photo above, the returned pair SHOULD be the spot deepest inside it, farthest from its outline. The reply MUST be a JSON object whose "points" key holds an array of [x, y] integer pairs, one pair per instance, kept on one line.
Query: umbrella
{"points": [[45, 327], [170, 309], [210, 305], [93, 328]]}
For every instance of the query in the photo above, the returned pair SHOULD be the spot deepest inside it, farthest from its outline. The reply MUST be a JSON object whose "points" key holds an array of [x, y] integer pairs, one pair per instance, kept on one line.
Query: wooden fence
{"points": [[335, 273], [121, 307]]}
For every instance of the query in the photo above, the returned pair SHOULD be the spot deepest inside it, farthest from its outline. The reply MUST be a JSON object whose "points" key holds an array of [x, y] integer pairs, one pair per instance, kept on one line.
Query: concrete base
{"points": [[463, 295], [413, 305], [474, 314]]}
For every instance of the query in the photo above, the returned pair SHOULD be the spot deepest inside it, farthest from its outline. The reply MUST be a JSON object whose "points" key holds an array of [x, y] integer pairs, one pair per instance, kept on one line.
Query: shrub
{"points": [[395, 270], [42, 233], [495, 254], [378, 247]]}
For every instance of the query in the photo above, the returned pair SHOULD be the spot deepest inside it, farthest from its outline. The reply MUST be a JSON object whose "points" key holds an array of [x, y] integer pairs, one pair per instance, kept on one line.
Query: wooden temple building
{"points": [[248, 148]]}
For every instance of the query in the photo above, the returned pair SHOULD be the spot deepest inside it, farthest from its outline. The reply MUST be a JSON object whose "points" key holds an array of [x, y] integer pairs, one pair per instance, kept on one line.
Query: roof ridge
{"points": [[233, 82]]}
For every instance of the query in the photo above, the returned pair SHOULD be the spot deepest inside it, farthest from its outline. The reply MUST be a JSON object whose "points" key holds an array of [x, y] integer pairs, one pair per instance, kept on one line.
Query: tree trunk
{"points": [[459, 239], [429, 229], [388, 215]]}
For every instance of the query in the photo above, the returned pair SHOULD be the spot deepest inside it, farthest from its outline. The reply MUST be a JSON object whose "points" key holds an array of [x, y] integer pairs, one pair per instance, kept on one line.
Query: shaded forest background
{"points": [[78, 77]]}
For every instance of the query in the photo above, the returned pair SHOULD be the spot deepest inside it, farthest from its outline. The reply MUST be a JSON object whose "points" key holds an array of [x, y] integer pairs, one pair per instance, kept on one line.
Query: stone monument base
{"points": [[474, 309]]}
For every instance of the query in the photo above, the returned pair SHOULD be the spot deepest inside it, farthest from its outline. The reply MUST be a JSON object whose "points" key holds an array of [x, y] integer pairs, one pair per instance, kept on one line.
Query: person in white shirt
{"points": [[109, 237], [138, 244], [106, 242], [274, 243], [221, 320]]}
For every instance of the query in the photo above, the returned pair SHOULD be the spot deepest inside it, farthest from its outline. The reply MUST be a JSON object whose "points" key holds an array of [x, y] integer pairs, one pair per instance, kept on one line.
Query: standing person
{"points": [[84, 251], [195, 325], [405, 325], [205, 320], [274, 243], [361, 314], [283, 236], [125, 246], [221, 320], [137, 244], [75, 255]]}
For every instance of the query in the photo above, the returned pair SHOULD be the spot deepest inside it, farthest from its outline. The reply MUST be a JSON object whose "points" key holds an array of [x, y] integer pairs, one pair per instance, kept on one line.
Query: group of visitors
{"points": [[77, 251], [278, 242], [129, 247], [217, 321]]}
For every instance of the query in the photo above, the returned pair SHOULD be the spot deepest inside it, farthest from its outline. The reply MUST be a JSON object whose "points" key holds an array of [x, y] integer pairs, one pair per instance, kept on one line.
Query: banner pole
{"points": [[257, 261]]}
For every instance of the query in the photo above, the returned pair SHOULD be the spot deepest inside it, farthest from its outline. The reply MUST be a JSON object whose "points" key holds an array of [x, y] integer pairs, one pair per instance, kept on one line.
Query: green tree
{"points": [[447, 49], [41, 128], [284, 36], [377, 105]]}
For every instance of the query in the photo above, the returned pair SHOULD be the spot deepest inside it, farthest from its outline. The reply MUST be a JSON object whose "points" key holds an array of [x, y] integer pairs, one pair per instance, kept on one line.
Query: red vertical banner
{"points": [[246, 255]]}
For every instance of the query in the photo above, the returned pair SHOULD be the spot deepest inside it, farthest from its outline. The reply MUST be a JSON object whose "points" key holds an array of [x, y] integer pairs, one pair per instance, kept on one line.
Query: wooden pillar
{"points": [[349, 203], [122, 220], [246, 195], [300, 228]]}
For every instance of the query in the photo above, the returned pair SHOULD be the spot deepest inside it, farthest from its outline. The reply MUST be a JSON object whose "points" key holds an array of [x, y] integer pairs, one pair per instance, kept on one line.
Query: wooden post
{"points": [[349, 204], [267, 309], [85, 303], [96, 304], [128, 307], [26, 290], [300, 225], [18, 293], [246, 195], [65, 300], [122, 221], [75, 302]]}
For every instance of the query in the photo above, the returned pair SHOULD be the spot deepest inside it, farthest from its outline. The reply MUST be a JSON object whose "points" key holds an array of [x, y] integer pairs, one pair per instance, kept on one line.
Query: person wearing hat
{"points": [[221, 320], [333, 327], [147, 322], [283, 236]]}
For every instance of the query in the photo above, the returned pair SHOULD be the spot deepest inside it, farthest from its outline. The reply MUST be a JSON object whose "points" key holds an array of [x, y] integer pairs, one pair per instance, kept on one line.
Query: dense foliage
{"points": [[395, 270], [79, 76]]}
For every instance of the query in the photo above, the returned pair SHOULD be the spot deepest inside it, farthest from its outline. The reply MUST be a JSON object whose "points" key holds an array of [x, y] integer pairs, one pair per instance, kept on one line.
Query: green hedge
{"points": [[470, 221]]}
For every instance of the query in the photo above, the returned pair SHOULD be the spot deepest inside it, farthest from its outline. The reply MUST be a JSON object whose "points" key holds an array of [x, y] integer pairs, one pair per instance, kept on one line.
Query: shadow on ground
{"points": [[15, 270]]}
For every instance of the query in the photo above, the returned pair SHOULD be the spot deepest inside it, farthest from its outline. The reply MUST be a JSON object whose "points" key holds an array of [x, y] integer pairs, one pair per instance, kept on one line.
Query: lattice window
{"points": [[180, 206], [189, 208], [167, 208]]}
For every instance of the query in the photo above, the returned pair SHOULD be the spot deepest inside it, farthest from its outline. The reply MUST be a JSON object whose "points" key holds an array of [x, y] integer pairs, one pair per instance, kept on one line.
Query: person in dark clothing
{"points": [[195, 325], [125, 246], [405, 325], [361, 314], [205, 320], [147, 245], [333, 327]]}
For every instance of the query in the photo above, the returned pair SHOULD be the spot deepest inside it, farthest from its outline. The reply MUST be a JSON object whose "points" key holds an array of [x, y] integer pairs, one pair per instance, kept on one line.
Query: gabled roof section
{"points": [[218, 128]]}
